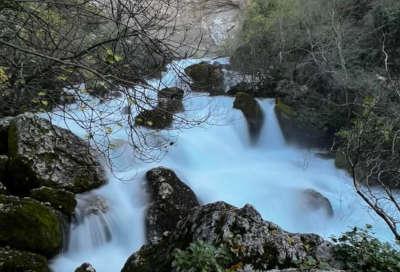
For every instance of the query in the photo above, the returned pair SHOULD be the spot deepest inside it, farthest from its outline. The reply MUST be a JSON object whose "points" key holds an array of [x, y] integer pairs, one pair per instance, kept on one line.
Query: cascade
{"points": [[218, 162]]}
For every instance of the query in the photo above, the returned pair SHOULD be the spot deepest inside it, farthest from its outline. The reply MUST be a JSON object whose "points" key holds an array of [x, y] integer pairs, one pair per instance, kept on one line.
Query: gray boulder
{"points": [[171, 200], [253, 242], [42, 154], [313, 200]]}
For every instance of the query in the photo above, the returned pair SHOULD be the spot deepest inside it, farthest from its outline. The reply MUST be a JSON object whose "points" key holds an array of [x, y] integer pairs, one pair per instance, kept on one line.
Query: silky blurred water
{"points": [[218, 162]]}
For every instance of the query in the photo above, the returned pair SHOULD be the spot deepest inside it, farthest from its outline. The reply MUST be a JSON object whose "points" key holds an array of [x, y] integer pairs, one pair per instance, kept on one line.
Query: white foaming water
{"points": [[218, 162]]}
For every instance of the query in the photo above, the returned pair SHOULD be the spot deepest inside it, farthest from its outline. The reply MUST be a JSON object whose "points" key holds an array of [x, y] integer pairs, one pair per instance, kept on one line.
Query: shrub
{"points": [[358, 250], [201, 257]]}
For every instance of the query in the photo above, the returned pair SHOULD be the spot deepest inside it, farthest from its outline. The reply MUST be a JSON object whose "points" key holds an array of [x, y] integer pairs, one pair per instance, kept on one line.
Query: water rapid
{"points": [[218, 162]]}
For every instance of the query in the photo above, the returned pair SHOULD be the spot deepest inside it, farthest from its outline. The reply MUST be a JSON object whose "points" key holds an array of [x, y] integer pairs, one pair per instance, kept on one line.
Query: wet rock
{"points": [[171, 200], [21, 261], [252, 112], [27, 224], [253, 242], [170, 99], [60, 199], [206, 77], [154, 119], [242, 87], [314, 200], [85, 267], [45, 155], [4, 125]]}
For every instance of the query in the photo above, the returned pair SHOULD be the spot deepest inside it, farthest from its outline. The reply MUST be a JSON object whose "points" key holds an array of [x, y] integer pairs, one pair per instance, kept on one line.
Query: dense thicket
{"points": [[345, 55]]}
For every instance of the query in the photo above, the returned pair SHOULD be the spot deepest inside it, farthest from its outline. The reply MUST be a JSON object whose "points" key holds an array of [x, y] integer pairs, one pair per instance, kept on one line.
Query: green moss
{"points": [[59, 199], [285, 110], [21, 261], [28, 225]]}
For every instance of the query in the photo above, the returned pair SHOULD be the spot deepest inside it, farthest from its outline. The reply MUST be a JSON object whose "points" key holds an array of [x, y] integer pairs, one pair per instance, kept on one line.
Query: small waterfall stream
{"points": [[218, 162]]}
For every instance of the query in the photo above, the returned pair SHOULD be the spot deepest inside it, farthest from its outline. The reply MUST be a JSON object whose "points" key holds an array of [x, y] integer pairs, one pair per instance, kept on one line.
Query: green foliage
{"points": [[201, 257], [358, 250]]}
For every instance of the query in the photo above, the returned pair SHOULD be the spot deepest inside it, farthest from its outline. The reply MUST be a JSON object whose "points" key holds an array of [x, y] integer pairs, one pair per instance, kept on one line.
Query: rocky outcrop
{"points": [[27, 224], [170, 99], [206, 77], [41, 154], [207, 24], [59, 199], [253, 242], [313, 200], [252, 112], [85, 267], [21, 261], [171, 200]]}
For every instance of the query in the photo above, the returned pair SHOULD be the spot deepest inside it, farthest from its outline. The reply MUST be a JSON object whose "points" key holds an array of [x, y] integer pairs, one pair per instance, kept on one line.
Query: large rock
{"points": [[157, 118], [313, 200], [42, 154], [59, 199], [21, 261], [27, 224], [85, 267], [253, 242], [171, 200], [252, 112], [170, 99], [206, 77]]}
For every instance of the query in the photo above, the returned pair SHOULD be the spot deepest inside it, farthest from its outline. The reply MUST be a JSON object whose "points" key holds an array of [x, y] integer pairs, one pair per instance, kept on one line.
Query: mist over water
{"points": [[218, 162]]}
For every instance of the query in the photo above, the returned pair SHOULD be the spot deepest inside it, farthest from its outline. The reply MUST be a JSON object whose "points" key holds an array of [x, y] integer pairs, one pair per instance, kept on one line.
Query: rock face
{"points": [[252, 112], [314, 200], [253, 242], [21, 261], [206, 77], [27, 224], [207, 23], [171, 200], [45, 155], [300, 122], [59, 199]]}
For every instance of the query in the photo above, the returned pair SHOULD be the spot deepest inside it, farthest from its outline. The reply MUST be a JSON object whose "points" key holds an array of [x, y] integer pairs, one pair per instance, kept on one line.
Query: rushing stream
{"points": [[217, 161]]}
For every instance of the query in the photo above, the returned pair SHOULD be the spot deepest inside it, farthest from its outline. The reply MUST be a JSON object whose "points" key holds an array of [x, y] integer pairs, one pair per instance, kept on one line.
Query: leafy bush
{"points": [[201, 257], [358, 250]]}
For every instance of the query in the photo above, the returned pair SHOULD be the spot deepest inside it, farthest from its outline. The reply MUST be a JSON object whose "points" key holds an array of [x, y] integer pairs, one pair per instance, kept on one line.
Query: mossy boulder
{"points": [[206, 77], [170, 99], [27, 224], [42, 154], [154, 119], [252, 112], [171, 200], [60, 199], [21, 261], [3, 188]]}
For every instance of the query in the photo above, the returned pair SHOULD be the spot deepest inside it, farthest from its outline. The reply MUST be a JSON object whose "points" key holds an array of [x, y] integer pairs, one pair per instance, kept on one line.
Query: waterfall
{"points": [[218, 162]]}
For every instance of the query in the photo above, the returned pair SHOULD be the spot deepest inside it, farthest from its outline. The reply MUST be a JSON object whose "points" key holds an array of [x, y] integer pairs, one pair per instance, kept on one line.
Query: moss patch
{"points": [[59, 199], [29, 225]]}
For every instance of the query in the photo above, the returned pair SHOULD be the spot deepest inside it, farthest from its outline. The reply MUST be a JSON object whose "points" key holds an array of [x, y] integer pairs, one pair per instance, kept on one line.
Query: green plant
{"points": [[201, 257], [359, 250]]}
